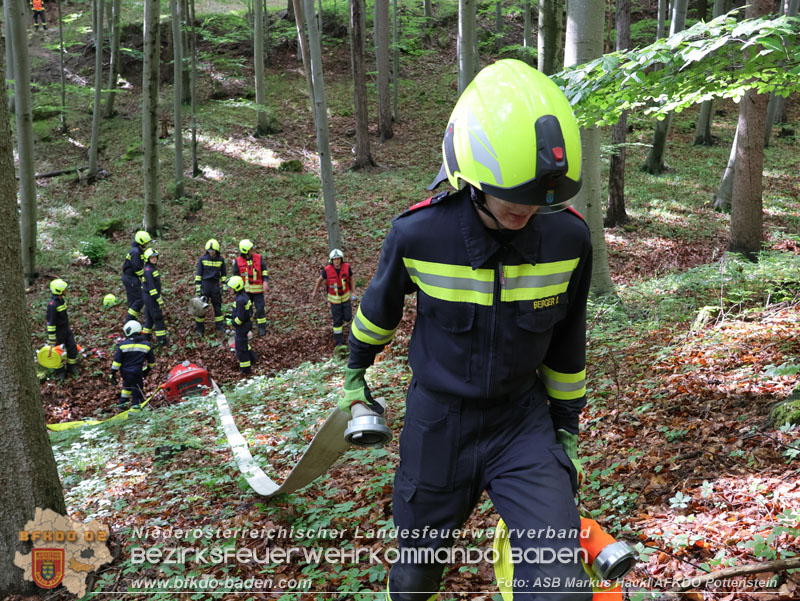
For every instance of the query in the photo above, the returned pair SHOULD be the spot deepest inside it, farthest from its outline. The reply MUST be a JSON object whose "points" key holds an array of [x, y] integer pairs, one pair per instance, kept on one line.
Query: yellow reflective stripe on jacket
{"points": [[133, 347], [153, 292], [563, 386], [366, 331], [455, 283], [531, 282], [338, 300], [51, 328], [212, 263], [62, 307]]}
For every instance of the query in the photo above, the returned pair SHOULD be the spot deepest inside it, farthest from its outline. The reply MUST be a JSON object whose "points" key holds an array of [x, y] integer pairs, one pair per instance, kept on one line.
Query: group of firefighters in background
{"points": [[145, 317]]}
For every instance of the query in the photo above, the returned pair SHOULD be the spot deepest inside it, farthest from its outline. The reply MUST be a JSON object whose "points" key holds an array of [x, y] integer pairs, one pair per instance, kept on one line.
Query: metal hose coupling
{"points": [[367, 428], [608, 558]]}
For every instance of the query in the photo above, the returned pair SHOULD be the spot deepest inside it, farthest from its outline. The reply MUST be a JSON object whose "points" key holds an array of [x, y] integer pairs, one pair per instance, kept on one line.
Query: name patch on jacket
{"points": [[545, 303]]}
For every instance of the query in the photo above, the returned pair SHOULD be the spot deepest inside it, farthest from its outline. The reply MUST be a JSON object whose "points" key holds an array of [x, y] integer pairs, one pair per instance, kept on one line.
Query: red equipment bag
{"points": [[186, 379]]}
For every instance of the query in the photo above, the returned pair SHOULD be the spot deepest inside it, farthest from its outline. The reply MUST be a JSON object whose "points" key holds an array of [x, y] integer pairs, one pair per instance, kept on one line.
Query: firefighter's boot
{"points": [[200, 328], [72, 369], [262, 329]]}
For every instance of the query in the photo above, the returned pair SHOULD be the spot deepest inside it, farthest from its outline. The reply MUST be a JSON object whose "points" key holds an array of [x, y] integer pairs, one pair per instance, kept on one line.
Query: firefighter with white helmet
{"points": [[134, 359], [337, 277]]}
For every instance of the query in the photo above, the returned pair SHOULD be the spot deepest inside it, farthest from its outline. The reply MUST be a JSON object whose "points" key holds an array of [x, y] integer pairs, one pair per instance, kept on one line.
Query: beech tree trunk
{"points": [[24, 121], [747, 234], [655, 157], [702, 136], [113, 67], [28, 474], [9, 55], [615, 211], [551, 35], [722, 199], [357, 27], [98, 84], [467, 43], [584, 42], [302, 42], [262, 118], [383, 65], [150, 67], [193, 89], [775, 108], [176, 10], [321, 121]]}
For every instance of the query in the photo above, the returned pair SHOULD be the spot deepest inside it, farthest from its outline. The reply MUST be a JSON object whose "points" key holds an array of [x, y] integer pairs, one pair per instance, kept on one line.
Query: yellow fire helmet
{"points": [[513, 135], [109, 300], [235, 283], [58, 286], [212, 244], [142, 238], [245, 246]]}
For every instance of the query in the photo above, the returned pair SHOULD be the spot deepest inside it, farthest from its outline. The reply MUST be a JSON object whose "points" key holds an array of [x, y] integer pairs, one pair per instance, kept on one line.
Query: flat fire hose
{"points": [[325, 448]]}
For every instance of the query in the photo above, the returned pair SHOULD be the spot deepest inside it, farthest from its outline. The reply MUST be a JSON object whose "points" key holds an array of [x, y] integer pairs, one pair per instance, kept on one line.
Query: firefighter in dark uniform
{"points": [[58, 330], [250, 267], [133, 358], [240, 320], [210, 273], [133, 272], [338, 279], [501, 279], [153, 301]]}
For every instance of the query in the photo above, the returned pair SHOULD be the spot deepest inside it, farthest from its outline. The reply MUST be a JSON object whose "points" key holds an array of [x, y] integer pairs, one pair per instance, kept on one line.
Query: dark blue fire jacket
{"points": [[491, 318]]}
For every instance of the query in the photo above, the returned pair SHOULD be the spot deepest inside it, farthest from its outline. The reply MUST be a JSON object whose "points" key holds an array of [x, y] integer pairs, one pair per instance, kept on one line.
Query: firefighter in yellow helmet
{"points": [[58, 330], [133, 274], [240, 320], [501, 275], [210, 273], [250, 267], [153, 300]]}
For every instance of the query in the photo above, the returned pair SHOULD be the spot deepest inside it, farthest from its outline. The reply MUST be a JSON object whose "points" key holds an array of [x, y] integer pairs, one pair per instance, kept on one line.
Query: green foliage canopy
{"points": [[705, 61]]}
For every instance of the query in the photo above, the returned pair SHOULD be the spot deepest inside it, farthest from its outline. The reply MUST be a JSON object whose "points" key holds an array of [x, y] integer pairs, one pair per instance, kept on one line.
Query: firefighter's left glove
{"points": [[355, 390], [160, 302], [569, 442], [112, 377]]}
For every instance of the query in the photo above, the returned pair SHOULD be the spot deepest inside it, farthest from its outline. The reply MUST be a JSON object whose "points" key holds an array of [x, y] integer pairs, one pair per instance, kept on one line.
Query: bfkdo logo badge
{"points": [[48, 567]]}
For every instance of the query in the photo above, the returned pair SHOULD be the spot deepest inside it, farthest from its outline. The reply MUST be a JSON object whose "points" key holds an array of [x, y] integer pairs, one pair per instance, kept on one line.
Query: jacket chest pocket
{"points": [[452, 317]]}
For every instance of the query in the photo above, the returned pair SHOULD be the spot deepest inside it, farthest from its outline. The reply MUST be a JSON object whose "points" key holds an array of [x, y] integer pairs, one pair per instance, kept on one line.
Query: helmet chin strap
{"points": [[479, 201]]}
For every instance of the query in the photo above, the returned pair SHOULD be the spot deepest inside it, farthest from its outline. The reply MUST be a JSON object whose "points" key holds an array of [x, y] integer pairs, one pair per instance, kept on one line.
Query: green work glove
{"points": [[569, 441], [197, 290], [355, 390]]}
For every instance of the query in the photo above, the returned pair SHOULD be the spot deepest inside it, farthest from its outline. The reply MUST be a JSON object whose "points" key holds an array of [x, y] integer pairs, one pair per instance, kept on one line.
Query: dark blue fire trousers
{"points": [[451, 450]]}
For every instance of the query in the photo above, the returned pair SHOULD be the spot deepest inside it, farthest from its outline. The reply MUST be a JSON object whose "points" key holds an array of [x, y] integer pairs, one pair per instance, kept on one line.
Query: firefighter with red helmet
{"points": [[338, 278], [501, 275], [250, 267]]}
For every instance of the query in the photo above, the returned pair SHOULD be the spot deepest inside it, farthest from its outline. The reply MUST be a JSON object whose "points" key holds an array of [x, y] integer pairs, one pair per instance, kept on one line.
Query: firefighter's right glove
{"points": [[112, 377], [569, 442], [355, 390], [197, 291]]}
